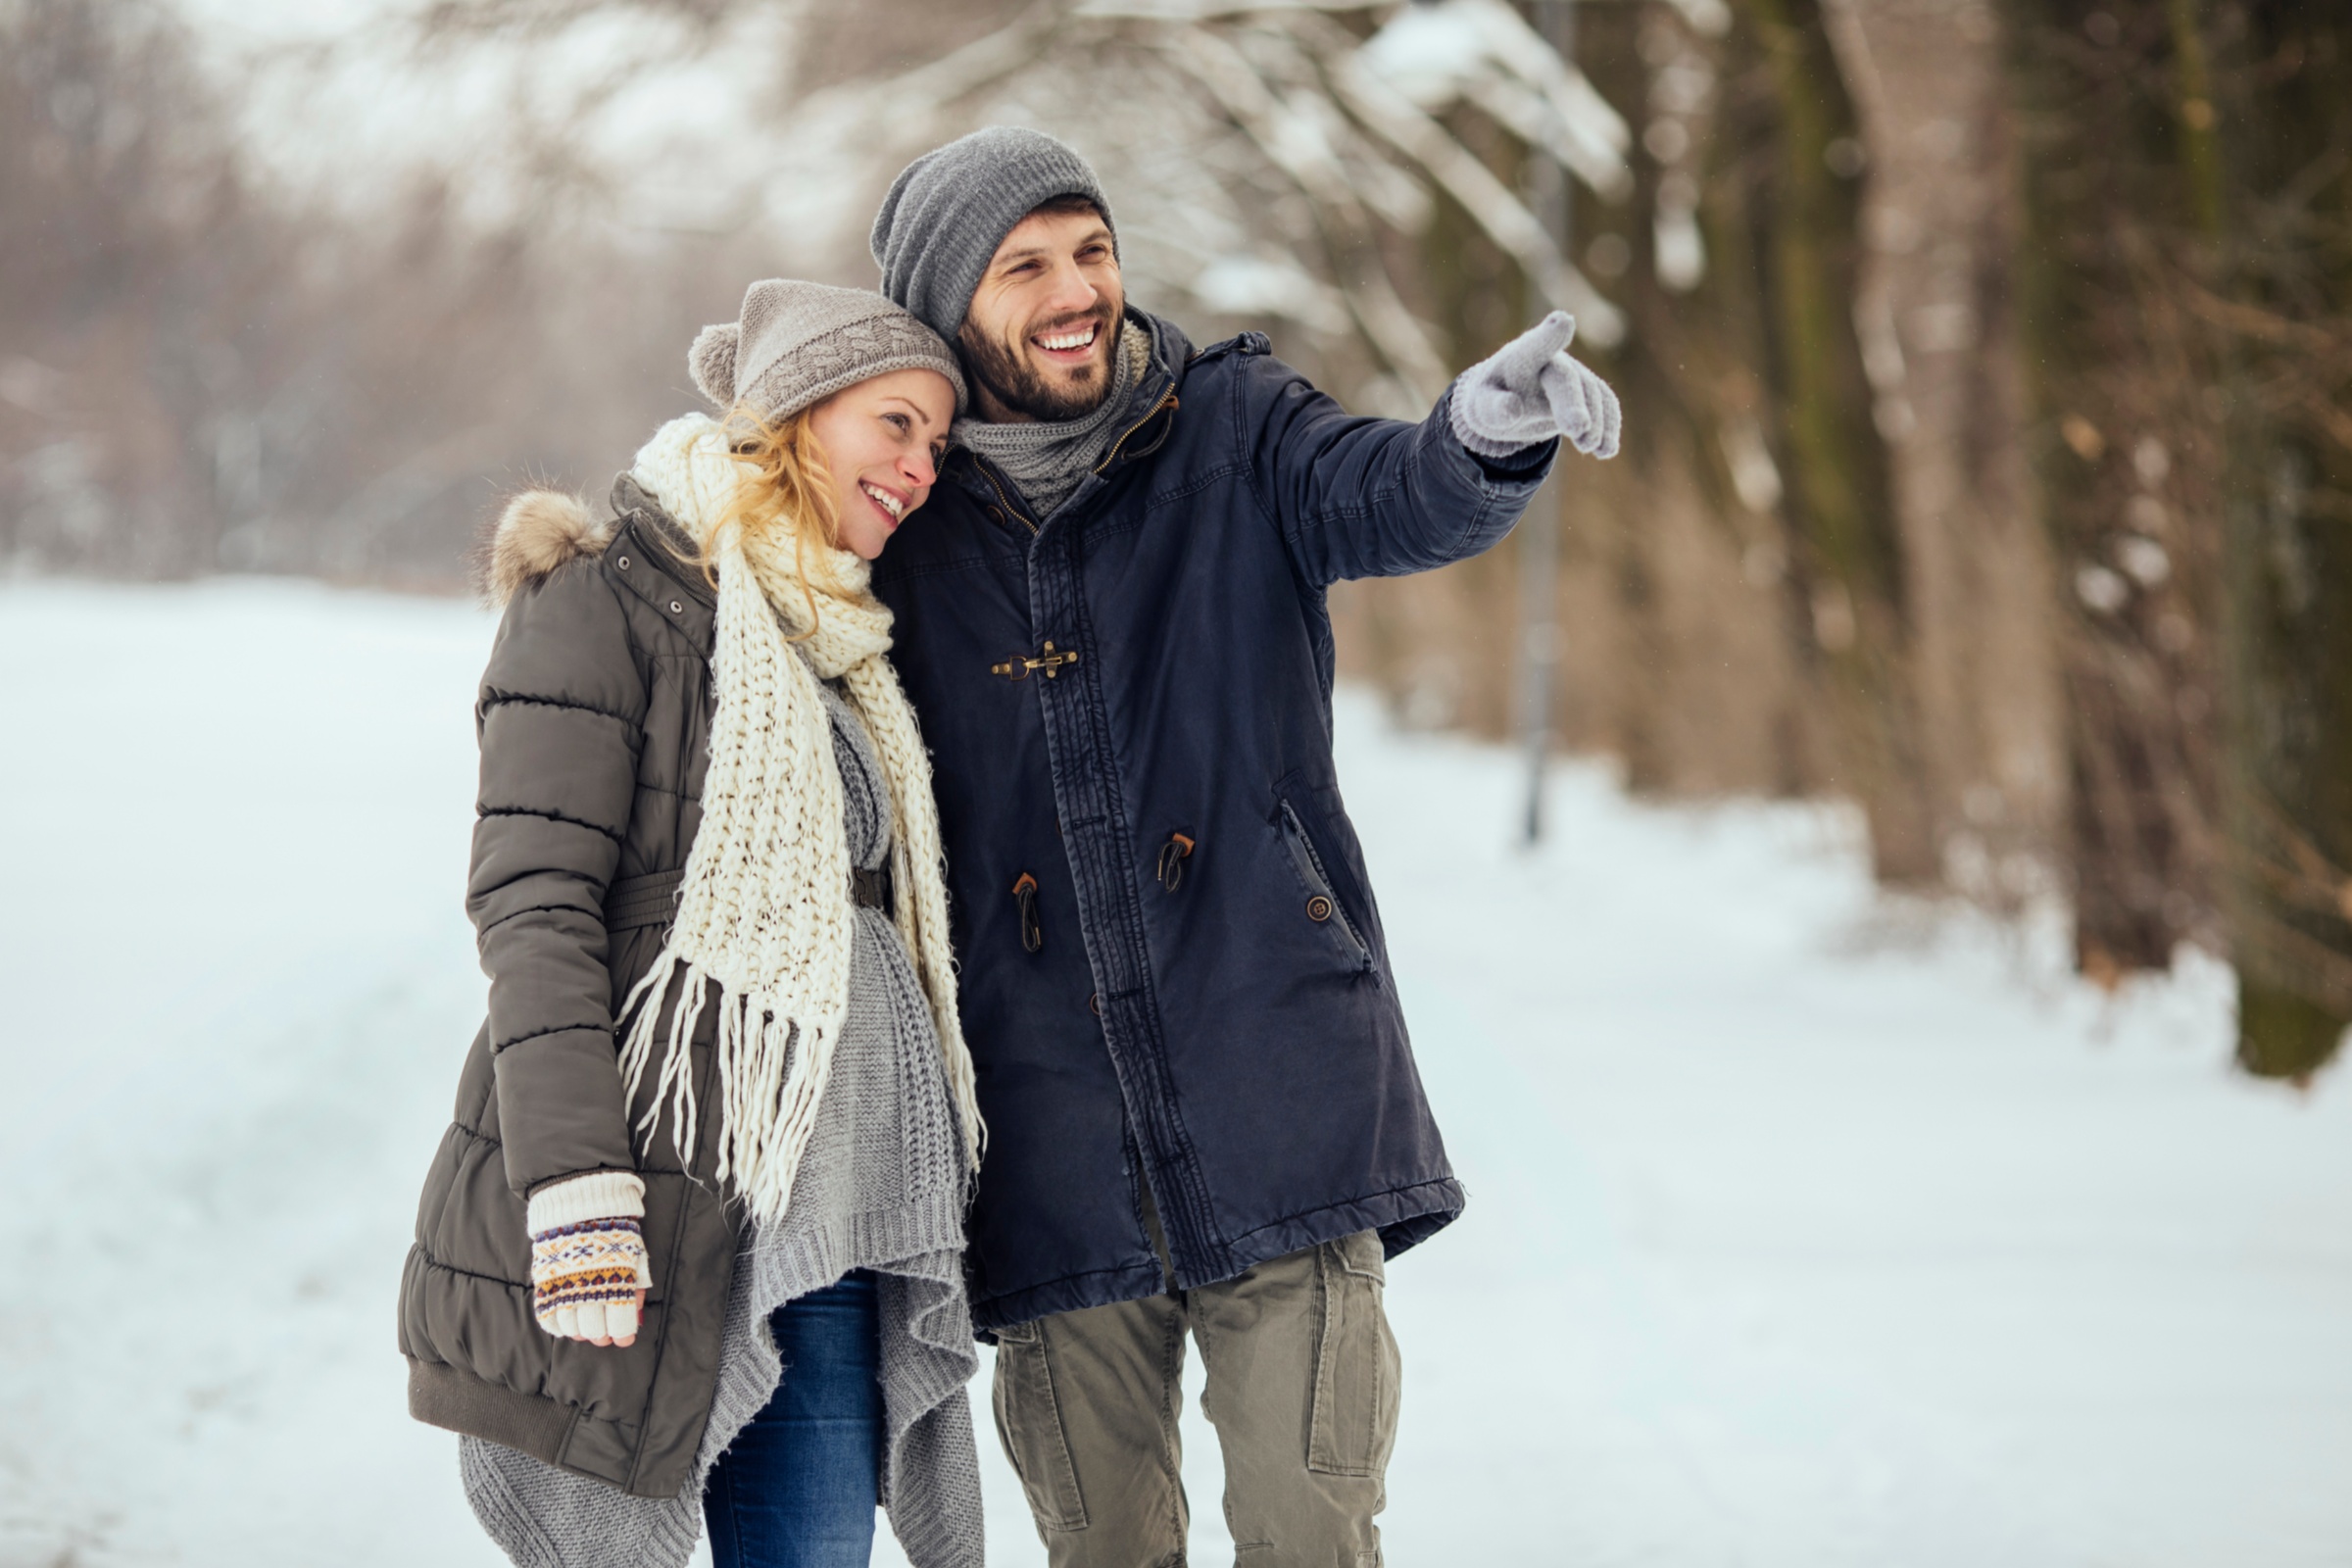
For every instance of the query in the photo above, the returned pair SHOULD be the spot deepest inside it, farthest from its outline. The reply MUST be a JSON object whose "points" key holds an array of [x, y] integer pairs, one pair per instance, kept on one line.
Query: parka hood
{"points": [[536, 533]]}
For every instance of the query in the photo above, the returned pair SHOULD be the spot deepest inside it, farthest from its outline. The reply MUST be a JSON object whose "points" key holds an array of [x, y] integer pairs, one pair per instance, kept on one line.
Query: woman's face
{"points": [[882, 441]]}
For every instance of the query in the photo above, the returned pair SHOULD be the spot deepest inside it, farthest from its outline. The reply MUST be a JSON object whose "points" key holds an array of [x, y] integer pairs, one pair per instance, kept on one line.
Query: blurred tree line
{"points": [[1989, 460], [202, 370]]}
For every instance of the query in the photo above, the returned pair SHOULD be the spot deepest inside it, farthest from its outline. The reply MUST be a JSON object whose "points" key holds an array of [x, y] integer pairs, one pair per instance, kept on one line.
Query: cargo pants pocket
{"points": [[1029, 1424], [1358, 1369]]}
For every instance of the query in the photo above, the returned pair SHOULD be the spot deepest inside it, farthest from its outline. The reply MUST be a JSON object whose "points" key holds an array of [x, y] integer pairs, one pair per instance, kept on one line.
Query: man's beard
{"points": [[1015, 382]]}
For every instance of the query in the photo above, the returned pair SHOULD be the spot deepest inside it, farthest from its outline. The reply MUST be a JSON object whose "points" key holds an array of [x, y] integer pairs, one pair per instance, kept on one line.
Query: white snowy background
{"points": [[1804, 1229]]}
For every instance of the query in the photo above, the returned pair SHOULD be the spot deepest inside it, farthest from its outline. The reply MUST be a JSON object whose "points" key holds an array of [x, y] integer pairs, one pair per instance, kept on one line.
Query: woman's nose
{"points": [[919, 470]]}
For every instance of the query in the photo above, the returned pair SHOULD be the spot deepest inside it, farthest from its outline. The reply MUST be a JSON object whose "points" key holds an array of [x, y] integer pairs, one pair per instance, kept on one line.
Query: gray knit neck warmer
{"points": [[1049, 461]]}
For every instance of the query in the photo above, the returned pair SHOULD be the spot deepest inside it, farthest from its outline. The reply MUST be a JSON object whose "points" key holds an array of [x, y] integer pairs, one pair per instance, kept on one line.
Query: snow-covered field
{"points": [[1802, 1232]]}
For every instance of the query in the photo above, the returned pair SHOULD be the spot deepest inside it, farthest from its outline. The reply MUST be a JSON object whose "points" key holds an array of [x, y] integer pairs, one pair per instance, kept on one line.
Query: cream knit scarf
{"points": [[766, 908]]}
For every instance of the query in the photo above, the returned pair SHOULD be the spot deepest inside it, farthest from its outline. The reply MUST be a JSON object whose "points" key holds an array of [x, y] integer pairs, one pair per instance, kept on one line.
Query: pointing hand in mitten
{"points": [[589, 1273], [1529, 391]]}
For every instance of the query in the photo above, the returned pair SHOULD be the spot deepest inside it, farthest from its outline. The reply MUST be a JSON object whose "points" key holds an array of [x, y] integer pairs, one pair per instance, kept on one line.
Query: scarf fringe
{"points": [[768, 1087]]}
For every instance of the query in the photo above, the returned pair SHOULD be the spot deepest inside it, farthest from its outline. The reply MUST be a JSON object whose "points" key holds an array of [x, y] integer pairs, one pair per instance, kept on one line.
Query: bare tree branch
{"points": [[1505, 220], [1293, 146]]}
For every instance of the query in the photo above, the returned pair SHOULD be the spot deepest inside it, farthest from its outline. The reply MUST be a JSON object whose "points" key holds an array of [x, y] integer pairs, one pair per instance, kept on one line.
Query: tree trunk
{"points": [[2189, 320], [2128, 461], [2273, 129], [1803, 242]]}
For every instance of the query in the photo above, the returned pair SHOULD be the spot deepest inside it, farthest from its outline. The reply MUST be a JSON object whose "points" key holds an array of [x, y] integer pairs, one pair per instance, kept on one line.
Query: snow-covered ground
{"points": [[1802, 1232]]}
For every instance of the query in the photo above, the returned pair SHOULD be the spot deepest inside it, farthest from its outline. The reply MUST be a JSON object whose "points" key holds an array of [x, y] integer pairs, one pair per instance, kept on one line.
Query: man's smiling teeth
{"points": [[885, 500], [1084, 338]]}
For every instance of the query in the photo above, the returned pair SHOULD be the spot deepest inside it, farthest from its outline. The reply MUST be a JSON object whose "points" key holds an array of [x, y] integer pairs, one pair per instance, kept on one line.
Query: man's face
{"points": [[1043, 323]]}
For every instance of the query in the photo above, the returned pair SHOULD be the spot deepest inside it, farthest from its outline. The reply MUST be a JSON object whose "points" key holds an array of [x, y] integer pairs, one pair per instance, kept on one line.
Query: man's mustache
{"points": [[1099, 314]]}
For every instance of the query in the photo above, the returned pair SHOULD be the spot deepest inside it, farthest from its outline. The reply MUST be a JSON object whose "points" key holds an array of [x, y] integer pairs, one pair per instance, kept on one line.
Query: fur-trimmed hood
{"points": [[537, 532]]}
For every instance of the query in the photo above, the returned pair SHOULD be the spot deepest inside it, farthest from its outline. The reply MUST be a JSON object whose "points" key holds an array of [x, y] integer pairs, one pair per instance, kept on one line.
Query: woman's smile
{"points": [[889, 502]]}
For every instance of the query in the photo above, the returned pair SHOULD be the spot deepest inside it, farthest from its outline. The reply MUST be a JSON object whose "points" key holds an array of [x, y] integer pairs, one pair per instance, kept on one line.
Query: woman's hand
{"points": [[605, 1323], [589, 1280]]}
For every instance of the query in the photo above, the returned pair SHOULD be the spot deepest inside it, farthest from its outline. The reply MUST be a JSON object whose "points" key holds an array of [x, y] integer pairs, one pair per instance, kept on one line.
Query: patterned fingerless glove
{"points": [[588, 1260]]}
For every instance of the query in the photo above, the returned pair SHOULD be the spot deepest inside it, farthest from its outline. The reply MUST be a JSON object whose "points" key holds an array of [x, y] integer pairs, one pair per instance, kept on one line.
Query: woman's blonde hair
{"points": [[785, 489]]}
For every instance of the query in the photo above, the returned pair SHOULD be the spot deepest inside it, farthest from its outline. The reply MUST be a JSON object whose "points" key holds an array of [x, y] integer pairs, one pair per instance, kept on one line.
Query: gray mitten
{"points": [[1529, 390]]}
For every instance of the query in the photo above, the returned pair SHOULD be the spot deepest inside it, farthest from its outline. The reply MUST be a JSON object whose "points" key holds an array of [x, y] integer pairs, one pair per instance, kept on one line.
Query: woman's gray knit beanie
{"points": [[948, 211], [797, 344]]}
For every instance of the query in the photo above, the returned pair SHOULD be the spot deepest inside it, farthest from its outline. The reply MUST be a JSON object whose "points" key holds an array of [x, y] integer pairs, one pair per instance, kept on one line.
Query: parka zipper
{"points": [[1323, 906], [1167, 399], [988, 473]]}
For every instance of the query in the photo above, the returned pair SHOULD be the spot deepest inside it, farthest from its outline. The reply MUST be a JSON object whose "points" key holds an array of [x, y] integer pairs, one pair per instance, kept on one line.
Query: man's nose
{"points": [[1071, 290]]}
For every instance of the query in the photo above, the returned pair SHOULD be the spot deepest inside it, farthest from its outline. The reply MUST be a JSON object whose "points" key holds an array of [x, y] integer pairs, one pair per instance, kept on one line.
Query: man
{"points": [[1203, 1111]]}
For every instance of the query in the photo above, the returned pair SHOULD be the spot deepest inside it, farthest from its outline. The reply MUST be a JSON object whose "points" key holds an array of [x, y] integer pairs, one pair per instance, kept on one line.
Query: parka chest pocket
{"points": [[1321, 904]]}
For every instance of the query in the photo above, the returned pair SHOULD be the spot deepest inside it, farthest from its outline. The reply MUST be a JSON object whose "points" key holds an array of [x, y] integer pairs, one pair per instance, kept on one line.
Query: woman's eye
{"points": [[897, 422]]}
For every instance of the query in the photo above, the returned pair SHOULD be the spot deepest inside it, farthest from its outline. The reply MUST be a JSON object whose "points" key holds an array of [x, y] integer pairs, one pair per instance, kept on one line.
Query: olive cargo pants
{"points": [[1303, 1383]]}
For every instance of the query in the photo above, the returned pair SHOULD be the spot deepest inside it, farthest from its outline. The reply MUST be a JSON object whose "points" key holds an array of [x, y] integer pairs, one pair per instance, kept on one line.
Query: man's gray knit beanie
{"points": [[948, 211], [797, 344]]}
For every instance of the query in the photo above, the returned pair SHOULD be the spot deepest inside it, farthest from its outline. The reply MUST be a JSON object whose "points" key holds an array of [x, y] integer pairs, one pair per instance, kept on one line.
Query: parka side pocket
{"points": [[1322, 905], [1357, 1370], [1029, 1424]]}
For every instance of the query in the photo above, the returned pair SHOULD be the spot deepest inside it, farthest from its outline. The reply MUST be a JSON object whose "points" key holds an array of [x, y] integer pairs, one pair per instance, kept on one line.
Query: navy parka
{"points": [[1173, 972]]}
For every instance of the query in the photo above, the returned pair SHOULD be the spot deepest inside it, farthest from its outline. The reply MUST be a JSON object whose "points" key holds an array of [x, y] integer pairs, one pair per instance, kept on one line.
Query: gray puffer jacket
{"points": [[594, 719]]}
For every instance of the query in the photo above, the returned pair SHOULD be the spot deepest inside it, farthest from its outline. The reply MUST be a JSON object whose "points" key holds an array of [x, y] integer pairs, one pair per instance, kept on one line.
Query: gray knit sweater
{"points": [[880, 1188]]}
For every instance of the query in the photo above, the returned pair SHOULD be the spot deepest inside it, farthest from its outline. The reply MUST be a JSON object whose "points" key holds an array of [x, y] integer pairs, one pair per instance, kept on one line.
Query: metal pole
{"points": [[1539, 529]]}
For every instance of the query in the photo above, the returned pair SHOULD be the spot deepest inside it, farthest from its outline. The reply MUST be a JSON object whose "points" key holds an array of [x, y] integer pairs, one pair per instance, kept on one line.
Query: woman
{"points": [[691, 1248]]}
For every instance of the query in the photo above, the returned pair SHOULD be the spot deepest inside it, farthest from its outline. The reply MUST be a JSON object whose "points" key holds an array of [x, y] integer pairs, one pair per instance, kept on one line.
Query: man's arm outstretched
{"points": [[1377, 498]]}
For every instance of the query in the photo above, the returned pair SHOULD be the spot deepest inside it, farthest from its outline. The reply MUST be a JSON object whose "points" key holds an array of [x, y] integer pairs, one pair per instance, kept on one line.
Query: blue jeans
{"points": [[797, 1488]]}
